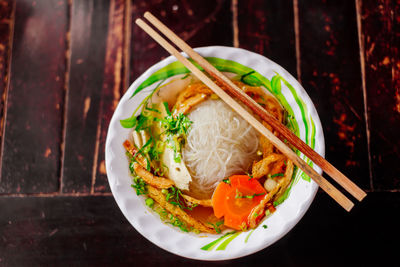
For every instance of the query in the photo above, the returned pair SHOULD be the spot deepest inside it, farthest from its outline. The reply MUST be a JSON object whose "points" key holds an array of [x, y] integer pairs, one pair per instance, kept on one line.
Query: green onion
{"points": [[150, 202], [239, 195], [216, 226], [276, 174], [227, 181]]}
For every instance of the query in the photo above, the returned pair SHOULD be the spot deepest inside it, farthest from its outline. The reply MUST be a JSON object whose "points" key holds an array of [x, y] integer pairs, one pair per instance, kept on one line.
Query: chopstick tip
{"points": [[349, 207], [362, 196], [138, 21]]}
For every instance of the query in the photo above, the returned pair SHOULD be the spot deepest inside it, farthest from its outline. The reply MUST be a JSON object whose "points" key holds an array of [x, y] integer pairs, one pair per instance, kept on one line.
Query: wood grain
{"points": [[91, 231], [115, 72], [331, 75], [31, 151], [88, 52], [381, 39], [266, 27], [200, 23], [6, 33]]}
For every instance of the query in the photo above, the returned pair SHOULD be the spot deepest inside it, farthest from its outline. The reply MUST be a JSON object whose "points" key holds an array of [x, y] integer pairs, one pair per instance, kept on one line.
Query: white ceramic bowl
{"points": [[291, 95]]}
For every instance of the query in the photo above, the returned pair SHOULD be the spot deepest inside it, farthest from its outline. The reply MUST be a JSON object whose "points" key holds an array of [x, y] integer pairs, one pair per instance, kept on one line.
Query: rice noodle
{"points": [[219, 144]]}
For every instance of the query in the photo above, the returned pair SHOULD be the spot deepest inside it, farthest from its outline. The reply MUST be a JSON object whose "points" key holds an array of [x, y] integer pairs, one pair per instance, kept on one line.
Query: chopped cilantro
{"points": [[265, 227], [140, 186], [176, 128], [173, 196]]}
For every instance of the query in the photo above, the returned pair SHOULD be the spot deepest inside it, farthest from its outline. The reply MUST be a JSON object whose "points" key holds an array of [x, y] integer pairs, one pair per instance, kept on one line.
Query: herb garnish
{"points": [[265, 227], [178, 223], [275, 175], [174, 196], [140, 186], [239, 195], [216, 226], [227, 181], [133, 120], [175, 129]]}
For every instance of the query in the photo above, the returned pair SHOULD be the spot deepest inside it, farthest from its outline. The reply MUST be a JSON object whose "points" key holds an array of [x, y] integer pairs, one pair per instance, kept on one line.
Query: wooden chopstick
{"points": [[324, 184], [327, 167]]}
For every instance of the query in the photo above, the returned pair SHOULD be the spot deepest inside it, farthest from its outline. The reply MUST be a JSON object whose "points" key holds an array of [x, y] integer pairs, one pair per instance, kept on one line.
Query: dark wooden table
{"points": [[64, 64]]}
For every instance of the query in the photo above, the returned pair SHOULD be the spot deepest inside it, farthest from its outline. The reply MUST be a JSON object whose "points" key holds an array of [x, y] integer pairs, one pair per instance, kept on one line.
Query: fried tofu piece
{"points": [[189, 103], [285, 180], [140, 169], [132, 150], [266, 146], [191, 96], [201, 202], [279, 188], [263, 167], [150, 178], [159, 197]]}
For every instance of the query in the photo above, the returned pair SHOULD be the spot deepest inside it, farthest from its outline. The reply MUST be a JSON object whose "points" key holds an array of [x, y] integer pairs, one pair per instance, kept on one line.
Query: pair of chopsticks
{"points": [[340, 178]]}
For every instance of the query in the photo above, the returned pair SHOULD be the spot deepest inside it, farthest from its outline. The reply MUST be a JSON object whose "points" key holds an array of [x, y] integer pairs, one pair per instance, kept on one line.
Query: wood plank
{"points": [[200, 23], [6, 33], [91, 231], [88, 51], [381, 39], [261, 30], [114, 85], [331, 75], [33, 126]]}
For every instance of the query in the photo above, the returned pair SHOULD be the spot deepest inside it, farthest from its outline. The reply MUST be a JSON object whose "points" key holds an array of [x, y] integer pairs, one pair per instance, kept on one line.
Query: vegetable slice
{"points": [[236, 200]]}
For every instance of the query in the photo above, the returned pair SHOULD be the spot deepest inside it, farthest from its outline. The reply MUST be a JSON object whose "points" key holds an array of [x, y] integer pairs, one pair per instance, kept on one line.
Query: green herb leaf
{"points": [[153, 109], [178, 223], [216, 226], [140, 186], [239, 195], [227, 181], [129, 122], [277, 174], [265, 227], [174, 196], [176, 129]]}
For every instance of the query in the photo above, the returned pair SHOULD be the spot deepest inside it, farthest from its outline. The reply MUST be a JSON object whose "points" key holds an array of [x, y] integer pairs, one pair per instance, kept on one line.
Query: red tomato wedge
{"points": [[235, 199]]}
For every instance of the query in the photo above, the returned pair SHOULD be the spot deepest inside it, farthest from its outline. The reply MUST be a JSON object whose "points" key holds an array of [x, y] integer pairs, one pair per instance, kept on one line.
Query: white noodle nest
{"points": [[219, 144]]}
